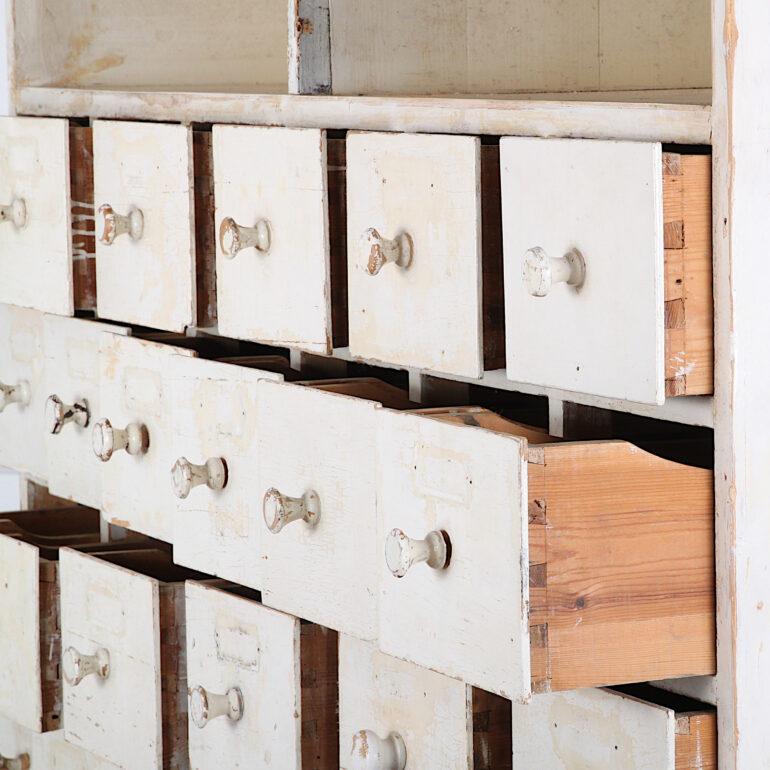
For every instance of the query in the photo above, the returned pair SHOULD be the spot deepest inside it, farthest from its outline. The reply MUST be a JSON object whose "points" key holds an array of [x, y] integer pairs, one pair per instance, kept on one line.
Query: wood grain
{"points": [[696, 741], [205, 229], [493, 301], [83, 221], [492, 733], [336, 172]]}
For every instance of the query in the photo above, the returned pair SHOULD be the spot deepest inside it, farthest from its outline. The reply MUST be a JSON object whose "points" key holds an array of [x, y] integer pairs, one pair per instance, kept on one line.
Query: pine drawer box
{"points": [[46, 211], [608, 267], [280, 216], [546, 566], [123, 657], [263, 685]]}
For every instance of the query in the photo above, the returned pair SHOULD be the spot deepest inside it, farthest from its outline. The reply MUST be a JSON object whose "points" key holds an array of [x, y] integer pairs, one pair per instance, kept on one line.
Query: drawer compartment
{"points": [[72, 406], [608, 274], [267, 180], [145, 255], [278, 676], [424, 252]]}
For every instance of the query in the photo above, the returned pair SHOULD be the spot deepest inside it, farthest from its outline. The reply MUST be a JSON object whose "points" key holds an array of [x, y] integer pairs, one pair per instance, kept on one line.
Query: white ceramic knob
{"points": [[280, 510], [381, 251], [233, 237], [58, 414], [205, 706], [541, 271], [107, 440], [15, 212], [401, 551], [76, 666], [186, 475], [370, 752], [20, 393], [22, 762], [114, 224]]}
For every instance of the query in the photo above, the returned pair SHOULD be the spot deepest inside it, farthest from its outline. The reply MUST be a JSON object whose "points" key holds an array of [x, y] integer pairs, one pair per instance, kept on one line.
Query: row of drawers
{"points": [[543, 558], [441, 253], [155, 670]]}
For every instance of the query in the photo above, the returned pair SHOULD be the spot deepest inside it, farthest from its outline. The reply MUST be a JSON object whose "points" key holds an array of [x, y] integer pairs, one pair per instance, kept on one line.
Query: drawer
{"points": [[607, 243], [613, 730], [136, 397], [214, 425], [263, 686], [619, 546], [316, 469], [52, 752], [145, 255], [266, 181], [123, 660], [17, 749], [72, 406], [22, 391], [418, 206]]}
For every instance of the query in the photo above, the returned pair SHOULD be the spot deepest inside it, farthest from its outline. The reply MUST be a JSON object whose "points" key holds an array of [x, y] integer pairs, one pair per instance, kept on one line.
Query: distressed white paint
{"points": [[22, 359], [135, 388], [312, 440], [428, 187], [469, 620], [282, 296], [596, 729], [604, 199], [20, 676], [52, 752], [431, 712], [215, 415], [36, 259], [72, 373], [151, 280], [236, 642], [106, 606], [16, 741]]}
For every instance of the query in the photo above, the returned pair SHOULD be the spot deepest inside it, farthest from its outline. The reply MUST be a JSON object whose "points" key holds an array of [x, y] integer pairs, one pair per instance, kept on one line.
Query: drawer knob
{"points": [[107, 440], [233, 237], [22, 762], [541, 271], [58, 414], [280, 510], [76, 666], [205, 706], [20, 393], [114, 224], [370, 752], [15, 212], [381, 251], [401, 551], [186, 475]]}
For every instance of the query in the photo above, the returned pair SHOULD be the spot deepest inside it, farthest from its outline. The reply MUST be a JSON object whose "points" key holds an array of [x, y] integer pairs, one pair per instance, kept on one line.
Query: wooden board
{"points": [[205, 230], [471, 484], [604, 199], [281, 297], [311, 440], [214, 414], [52, 752], [310, 66], [150, 281], [72, 373], [36, 259], [83, 216], [429, 315], [15, 741]]}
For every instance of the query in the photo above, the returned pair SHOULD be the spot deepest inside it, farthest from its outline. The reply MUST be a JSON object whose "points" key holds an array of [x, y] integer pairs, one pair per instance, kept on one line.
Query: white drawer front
{"points": [[418, 192], [215, 417], [35, 233], [462, 612], [146, 276], [20, 675], [72, 406], [310, 441], [383, 695], [604, 200], [273, 182], [108, 608], [599, 729], [22, 391], [18, 744], [237, 644], [52, 752], [135, 390]]}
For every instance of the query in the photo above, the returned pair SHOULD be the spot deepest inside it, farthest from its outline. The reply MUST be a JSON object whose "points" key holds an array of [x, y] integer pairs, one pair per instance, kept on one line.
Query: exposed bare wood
{"points": [[205, 229], [83, 222]]}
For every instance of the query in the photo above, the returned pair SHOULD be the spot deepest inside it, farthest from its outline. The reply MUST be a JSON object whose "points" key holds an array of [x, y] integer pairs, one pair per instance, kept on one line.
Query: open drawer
{"points": [[520, 564]]}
